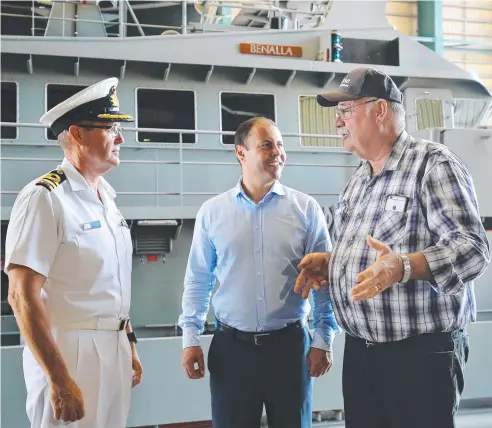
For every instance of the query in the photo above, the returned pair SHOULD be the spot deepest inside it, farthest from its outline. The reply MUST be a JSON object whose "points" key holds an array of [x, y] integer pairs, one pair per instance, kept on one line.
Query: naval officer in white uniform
{"points": [[69, 261]]}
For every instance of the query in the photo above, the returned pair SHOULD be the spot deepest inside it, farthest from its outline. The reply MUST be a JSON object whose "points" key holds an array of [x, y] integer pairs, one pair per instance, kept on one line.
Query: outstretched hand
{"points": [[314, 273], [387, 270]]}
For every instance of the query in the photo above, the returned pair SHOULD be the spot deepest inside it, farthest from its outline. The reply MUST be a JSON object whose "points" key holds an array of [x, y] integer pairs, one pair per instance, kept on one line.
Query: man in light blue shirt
{"points": [[251, 239]]}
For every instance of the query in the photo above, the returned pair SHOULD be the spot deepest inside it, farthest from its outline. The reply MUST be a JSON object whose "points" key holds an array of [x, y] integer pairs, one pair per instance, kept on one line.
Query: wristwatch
{"points": [[131, 337], [406, 268]]}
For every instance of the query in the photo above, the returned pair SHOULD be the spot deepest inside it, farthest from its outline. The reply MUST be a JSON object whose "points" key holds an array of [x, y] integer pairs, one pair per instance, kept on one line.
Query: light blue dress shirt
{"points": [[253, 251]]}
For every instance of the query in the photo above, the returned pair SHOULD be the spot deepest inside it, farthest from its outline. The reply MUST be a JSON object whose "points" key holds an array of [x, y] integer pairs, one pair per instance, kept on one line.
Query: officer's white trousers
{"points": [[100, 363]]}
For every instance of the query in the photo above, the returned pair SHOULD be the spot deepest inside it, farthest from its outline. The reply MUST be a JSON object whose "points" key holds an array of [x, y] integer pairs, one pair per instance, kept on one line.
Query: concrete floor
{"points": [[475, 419], [466, 419], [480, 418]]}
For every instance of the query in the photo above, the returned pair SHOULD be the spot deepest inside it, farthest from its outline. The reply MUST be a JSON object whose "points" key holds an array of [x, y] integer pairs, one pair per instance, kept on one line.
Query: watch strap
{"points": [[406, 268], [131, 337]]}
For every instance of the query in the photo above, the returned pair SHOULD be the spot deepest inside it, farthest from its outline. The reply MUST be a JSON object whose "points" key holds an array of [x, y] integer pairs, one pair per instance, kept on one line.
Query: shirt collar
{"points": [[78, 182], [397, 151], [277, 188], [393, 161]]}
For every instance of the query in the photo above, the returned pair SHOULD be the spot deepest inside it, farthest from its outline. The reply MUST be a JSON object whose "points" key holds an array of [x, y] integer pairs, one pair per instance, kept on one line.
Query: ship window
{"points": [[470, 113], [9, 110], [57, 93], [165, 109], [429, 113], [317, 120], [235, 108]]}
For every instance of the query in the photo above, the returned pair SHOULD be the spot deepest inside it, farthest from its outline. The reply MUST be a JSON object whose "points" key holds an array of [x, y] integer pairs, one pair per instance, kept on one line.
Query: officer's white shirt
{"points": [[82, 245]]}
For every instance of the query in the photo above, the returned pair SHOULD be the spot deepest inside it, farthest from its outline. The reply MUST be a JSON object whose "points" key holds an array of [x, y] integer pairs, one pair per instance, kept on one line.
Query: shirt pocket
{"points": [[391, 226], [95, 254]]}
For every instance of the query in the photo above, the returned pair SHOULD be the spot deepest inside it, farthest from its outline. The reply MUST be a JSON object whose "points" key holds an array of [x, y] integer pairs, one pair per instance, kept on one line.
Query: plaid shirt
{"points": [[440, 219]]}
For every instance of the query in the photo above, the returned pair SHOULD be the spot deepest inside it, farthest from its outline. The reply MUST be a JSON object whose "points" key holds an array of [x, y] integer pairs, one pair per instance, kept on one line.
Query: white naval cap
{"points": [[98, 102]]}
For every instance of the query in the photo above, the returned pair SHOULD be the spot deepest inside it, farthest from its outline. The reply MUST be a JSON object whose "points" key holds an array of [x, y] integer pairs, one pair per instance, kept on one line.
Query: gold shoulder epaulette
{"points": [[52, 180]]}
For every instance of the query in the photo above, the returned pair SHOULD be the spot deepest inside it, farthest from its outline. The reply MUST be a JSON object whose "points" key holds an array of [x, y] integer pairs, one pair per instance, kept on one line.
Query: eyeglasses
{"points": [[346, 112], [112, 131]]}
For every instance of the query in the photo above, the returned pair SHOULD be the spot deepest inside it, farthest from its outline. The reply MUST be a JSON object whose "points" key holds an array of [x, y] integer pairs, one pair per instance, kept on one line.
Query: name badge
{"points": [[396, 203], [92, 225]]}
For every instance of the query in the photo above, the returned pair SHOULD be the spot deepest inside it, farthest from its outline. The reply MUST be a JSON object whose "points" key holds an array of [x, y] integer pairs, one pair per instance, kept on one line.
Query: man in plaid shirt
{"points": [[408, 244]]}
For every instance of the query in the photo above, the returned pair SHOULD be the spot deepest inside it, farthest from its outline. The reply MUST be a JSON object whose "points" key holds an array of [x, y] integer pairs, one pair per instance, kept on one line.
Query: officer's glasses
{"points": [[346, 112], [112, 131]]}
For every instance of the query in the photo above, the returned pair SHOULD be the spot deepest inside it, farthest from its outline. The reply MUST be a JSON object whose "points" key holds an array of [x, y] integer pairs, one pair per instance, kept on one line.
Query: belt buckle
{"points": [[257, 343], [124, 323]]}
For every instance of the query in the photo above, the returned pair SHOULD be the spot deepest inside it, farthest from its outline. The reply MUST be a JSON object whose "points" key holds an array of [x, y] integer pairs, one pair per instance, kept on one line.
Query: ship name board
{"points": [[270, 50]]}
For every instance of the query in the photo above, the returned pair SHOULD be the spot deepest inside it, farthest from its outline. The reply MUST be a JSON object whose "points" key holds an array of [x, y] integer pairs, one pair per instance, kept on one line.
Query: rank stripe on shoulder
{"points": [[52, 180]]}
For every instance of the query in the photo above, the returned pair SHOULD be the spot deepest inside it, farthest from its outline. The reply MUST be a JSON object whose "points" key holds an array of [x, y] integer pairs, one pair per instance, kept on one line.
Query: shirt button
{"points": [[259, 298], [257, 226], [259, 273], [351, 240], [257, 250]]}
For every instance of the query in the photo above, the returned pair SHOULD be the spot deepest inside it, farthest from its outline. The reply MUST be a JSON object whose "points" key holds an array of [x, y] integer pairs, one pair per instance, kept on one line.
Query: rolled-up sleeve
{"points": [[461, 252]]}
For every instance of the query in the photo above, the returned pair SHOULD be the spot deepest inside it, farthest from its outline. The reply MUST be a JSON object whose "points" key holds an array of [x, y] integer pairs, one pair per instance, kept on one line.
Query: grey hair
{"points": [[399, 114], [65, 140]]}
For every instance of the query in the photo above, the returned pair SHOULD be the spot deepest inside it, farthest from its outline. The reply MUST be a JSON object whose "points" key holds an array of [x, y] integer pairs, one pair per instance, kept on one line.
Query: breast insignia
{"points": [[52, 180]]}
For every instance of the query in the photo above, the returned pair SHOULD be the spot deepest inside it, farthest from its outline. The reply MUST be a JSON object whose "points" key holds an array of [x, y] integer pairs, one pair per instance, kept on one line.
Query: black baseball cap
{"points": [[359, 83]]}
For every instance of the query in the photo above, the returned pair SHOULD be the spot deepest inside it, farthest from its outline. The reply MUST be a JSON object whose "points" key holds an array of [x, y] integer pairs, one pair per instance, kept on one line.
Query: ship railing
{"points": [[204, 26], [335, 162], [122, 6]]}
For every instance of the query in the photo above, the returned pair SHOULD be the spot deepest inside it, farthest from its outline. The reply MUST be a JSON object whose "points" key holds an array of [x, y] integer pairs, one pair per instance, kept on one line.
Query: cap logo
{"points": [[345, 83], [113, 99]]}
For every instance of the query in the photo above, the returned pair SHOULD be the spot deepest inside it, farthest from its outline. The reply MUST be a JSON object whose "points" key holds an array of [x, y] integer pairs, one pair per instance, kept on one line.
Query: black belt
{"points": [[260, 338], [421, 338]]}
